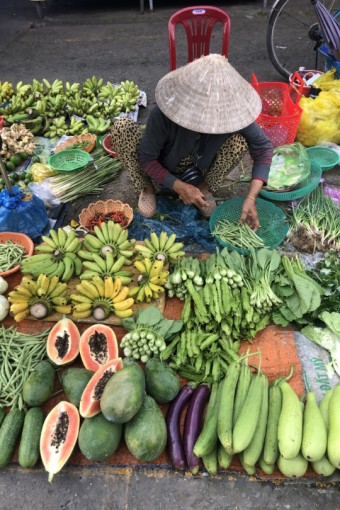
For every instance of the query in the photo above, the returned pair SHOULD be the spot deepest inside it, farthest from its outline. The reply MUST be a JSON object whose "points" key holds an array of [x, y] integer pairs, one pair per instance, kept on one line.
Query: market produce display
{"points": [[17, 145], [56, 109]]}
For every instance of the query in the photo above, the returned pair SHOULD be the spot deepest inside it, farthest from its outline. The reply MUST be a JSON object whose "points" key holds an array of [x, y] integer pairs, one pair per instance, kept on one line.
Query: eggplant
{"points": [[173, 420], [193, 425]]}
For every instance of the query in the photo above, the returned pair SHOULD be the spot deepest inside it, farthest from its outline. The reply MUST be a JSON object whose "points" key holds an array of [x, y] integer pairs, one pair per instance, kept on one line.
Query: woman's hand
{"points": [[249, 213], [189, 194]]}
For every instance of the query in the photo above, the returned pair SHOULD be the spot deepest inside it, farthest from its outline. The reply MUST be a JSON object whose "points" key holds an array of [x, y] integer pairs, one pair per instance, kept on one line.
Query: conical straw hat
{"points": [[208, 96]]}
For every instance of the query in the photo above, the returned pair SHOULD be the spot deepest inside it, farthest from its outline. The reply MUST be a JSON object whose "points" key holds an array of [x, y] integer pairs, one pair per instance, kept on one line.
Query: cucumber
{"points": [[9, 433], [30, 438]]}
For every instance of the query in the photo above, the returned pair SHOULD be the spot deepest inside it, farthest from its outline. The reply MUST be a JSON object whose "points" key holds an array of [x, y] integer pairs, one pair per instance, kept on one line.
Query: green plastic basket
{"points": [[69, 160], [301, 190], [273, 224], [324, 156]]}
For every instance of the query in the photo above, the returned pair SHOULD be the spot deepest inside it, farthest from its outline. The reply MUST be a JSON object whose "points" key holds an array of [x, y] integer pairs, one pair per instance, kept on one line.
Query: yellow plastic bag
{"points": [[320, 119], [327, 81], [41, 171]]}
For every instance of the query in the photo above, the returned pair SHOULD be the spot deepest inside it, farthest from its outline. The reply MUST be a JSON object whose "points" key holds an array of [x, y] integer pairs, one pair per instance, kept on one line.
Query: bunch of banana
{"points": [[98, 266], [109, 92], [54, 88], [163, 248], [98, 126], [76, 127], [22, 90], [37, 88], [81, 106], [58, 128], [39, 298], [92, 86], [100, 298], [71, 89], [18, 104], [6, 91], [131, 88], [111, 238], [128, 102], [151, 280], [41, 106], [112, 109], [57, 257], [56, 106]]}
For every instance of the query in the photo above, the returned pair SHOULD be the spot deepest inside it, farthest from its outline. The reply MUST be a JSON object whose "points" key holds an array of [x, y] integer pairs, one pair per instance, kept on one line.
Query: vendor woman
{"points": [[201, 127]]}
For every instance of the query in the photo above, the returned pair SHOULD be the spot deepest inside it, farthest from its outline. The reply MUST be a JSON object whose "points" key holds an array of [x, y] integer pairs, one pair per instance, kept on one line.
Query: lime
{"points": [[10, 165], [14, 177], [16, 159], [35, 159], [2, 182], [23, 156], [22, 175]]}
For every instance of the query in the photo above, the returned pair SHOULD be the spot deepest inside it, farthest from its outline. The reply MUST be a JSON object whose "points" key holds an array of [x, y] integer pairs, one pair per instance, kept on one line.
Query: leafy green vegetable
{"points": [[327, 274]]}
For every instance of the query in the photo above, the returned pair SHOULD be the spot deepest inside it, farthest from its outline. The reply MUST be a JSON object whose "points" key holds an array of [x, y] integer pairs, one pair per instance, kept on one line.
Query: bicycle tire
{"points": [[291, 32]]}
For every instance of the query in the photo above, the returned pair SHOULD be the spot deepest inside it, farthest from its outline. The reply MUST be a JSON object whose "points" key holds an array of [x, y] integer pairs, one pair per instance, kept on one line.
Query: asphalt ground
{"points": [[76, 40]]}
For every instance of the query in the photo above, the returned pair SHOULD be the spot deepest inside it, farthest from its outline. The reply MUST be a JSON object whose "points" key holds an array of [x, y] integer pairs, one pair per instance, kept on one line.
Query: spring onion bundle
{"points": [[315, 223], [89, 181], [19, 354]]}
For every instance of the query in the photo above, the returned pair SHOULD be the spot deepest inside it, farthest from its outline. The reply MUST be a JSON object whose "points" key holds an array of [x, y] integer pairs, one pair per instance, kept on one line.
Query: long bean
{"points": [[19, 353], [11, 255], [237, 234]]}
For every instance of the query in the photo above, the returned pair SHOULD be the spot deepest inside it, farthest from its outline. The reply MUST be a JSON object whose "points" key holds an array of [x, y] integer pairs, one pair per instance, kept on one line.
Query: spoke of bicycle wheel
{"points": [[292, 35]]}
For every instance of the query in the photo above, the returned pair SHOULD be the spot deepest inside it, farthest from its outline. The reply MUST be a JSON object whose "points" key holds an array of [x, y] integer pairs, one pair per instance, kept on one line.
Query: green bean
{"points": [[11, 255], [237, 234]]}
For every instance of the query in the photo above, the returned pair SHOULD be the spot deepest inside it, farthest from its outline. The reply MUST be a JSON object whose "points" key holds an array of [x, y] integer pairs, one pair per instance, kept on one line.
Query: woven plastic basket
{"points": [[273, 225], [301, 190], [106, 207], [280, 115], [69, 160], [324, 156]]}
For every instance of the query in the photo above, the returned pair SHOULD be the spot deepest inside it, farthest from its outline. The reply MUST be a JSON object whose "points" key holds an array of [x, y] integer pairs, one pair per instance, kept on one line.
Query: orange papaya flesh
{"points": [[58, 437], [63, 342], [90, 399], [98, 344]]}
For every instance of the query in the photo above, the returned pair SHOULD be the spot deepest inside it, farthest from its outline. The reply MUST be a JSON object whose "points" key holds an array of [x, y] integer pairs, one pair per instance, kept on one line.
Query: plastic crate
{"points": [[273, 224], [280, 115], [301, 190], [69, 160], [326, 157]]}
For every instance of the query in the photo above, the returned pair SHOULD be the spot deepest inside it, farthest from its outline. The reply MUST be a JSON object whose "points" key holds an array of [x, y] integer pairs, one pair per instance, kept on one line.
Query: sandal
{"points": [[147, 202]]}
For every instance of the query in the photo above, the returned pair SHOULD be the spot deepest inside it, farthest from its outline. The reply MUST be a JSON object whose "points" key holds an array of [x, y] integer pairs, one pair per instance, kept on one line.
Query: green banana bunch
{"points": [[76, 126], [6, 91], [163, 248], [92, 86], [100, 298], [109, 91], [131, 88], [22, 90], [17, 105], [71, 88], [37, 88], [110, 238], [53, 88], [41, 105], [97, 126], [58, 128], [97, 266], [39, 298], [128, 102]]}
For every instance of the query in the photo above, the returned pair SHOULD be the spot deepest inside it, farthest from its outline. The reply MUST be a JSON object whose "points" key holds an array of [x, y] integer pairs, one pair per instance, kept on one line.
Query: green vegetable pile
{"points": [[327, 274]]}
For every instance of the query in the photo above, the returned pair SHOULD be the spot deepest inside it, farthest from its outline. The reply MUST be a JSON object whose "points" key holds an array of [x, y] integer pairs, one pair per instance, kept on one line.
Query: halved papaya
{"points": [[63, 342], [98, 345], [58, 437], [90, 399]]}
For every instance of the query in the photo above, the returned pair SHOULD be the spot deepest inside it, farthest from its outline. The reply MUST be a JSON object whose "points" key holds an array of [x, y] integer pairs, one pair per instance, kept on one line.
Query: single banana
{"points": [[122, 295], [88, 289], [156, 268], [79, 298], [61, 237], [66, 309], [124, 313], [169, 243], [140, 266], [154, 241], [100, 284], [162, 240], [19, 307], [124, 305], [82, 307], [99, 233], [82, 315]]}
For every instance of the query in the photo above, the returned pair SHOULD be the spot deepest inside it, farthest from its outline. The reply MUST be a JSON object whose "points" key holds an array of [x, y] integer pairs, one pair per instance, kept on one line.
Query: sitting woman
{"points": [[201, 127]]}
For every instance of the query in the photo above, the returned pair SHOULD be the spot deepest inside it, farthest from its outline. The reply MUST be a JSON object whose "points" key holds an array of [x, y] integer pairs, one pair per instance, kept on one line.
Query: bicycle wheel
{"points": [[293, 35]]}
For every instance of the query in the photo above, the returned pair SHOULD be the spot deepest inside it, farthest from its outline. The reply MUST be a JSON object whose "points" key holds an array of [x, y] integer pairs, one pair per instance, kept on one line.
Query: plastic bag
{"points": [[41, 171], [320, 118], [43, 191], [290, 165], [23, 212], [175, 217]]}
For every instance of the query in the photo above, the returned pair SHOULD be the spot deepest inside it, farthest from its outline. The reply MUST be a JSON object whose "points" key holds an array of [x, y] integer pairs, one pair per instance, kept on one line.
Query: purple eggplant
{"points": [[193, 425], [173, 420]]}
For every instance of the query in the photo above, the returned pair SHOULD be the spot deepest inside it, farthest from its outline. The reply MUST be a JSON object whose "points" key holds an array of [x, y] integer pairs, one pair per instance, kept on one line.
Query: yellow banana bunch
{"points": [[39, 298], [6, 91], [100, 298], [162, 247], [151, 280]]}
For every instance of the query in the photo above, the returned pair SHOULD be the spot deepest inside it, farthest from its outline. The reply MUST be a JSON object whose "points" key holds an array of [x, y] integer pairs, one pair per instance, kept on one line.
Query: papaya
{"points": [[99, 438], [123, 395], [161, 382], [98, 344], [63, 342], [58, 437], [146, 434], [90, 399], [38, 386], [74, 381]]}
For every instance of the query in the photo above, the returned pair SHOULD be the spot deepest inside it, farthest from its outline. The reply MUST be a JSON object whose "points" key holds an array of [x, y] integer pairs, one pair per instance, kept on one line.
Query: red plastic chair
{"points": [[198, 23]]}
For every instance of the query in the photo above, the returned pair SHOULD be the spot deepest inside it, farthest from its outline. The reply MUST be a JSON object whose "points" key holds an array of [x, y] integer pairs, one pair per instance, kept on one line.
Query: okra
{"points": [[225, 410]]}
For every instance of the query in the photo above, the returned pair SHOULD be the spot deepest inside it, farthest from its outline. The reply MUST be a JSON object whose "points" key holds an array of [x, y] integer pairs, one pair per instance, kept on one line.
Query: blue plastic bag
{"points": [[175, 217], [23, 212]]}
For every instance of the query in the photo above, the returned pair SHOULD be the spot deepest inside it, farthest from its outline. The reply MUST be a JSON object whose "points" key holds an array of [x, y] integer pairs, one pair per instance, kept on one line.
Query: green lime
{"points": [[14, 177], [22, 175], [10, 165], [35, 159], [27, 181], [15, 159], [2, 182], [24, 156]]}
